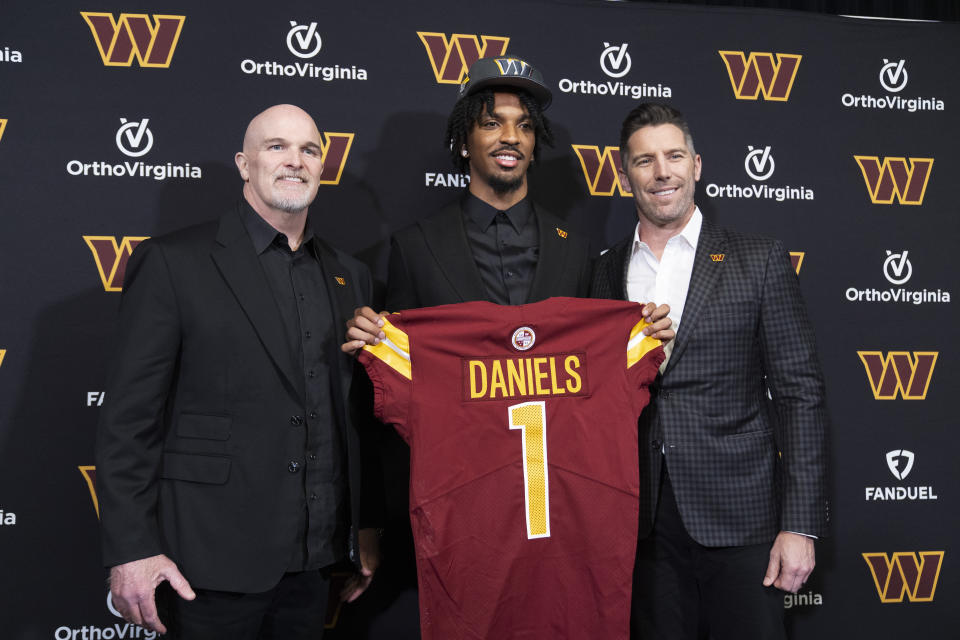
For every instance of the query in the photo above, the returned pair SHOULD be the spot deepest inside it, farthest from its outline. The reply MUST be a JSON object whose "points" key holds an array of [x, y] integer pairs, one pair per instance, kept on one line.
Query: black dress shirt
{"points": [[505, 246], [298, 284]]}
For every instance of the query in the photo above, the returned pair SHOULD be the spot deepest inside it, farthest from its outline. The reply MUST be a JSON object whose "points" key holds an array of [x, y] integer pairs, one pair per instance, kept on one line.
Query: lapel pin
{"points": [[717, 257], [561, 232], [340, 281]]}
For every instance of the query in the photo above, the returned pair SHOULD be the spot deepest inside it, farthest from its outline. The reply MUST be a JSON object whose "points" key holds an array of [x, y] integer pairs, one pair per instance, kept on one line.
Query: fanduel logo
{"points": [[303, 41], [906, 573], [897, 269], [452, 57], [898, 373], [10, 55], [759, 166], [758, 73], [134, 138], [452, 179], [615, 62], [893, 178], [111, 257], [134, 35], [893, 78], [600, 169], [900, 463]]}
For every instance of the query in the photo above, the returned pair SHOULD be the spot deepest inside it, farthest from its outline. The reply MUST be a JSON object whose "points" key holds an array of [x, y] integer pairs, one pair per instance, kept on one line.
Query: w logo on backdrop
{"points": [[111, 257], [893, 178], [335, 151], [452, 57], [756, 73], [898, 373], [3, 125], [905, 574], [135, 35], [600, 169], [90, 475], [796, 259]]}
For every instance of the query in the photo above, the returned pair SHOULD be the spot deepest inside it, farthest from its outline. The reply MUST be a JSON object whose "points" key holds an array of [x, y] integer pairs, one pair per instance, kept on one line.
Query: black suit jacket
{"points": [[431, 262], [740, 474], [197, 429]]}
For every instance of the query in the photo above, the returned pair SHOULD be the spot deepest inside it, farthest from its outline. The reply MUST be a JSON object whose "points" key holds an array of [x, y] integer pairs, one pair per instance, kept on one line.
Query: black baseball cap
{"points": [[509, 71]]}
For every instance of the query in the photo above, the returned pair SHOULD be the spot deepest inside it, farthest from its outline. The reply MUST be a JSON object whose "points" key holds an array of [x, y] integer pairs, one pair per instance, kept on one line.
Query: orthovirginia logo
{"points": [[892, 178], [759, 73], [893, 79], [897, 269], [111, 257], [134, 35], [452, 57], [900, 463], [10, 55], [615, 62], [759, 166], [600, 169], [810, 598], [898, 373], [303, 41], [134, 139], [906, 573]]}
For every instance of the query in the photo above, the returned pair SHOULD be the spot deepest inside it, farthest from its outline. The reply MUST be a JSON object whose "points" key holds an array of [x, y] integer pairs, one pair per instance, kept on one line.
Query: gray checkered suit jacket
{"points": [[742, 470]]}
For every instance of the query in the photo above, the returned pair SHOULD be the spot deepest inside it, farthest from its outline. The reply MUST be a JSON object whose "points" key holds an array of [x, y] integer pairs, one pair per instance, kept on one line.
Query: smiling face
{"points": [[662, 172], [281, 161], [501, 145]]}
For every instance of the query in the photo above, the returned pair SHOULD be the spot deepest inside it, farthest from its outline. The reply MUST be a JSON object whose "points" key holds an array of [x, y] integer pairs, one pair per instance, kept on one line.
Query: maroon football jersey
{"points": [[524, 484]]}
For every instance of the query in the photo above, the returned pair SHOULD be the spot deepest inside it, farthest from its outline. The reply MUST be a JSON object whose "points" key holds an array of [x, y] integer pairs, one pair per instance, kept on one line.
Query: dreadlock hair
{"points": [[466, 113], [651, 114]]}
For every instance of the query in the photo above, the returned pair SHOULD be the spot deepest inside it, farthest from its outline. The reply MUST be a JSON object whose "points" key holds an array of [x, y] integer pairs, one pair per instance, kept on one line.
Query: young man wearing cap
{"points": [[493, 243]]}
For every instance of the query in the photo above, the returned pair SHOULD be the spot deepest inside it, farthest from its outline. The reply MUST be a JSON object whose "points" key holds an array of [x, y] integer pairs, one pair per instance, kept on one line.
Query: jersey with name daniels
{"points": [[522, 425]]}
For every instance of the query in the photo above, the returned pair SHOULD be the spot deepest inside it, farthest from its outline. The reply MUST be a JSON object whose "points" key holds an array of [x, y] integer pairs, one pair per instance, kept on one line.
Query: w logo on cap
{"points": [[513, 67]]}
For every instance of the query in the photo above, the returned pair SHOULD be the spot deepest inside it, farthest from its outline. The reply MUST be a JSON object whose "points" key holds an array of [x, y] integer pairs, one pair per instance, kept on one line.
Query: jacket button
{"points": [[314, 415], [293, 467], [296, 420], [655, 444]]}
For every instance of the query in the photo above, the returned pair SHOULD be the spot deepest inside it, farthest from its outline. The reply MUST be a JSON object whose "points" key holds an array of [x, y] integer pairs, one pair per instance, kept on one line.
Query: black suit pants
{"points": [[683, 590], [294, 609]]}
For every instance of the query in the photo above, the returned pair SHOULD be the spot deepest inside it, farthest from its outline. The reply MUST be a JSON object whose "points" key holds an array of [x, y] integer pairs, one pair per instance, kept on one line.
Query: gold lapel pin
{"points": [[561, 232], [340, 281], [717, 257]]}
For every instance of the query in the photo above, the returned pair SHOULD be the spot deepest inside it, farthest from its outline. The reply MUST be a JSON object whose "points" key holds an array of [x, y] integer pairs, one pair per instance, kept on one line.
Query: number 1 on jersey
{"points": [[531, 419]]}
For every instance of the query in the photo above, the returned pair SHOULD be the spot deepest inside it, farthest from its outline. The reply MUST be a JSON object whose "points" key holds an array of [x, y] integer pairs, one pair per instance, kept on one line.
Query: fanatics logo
{"points": [[303, 40], [89, 473], [909, 573], [796, 258], [759, 72], [898, 373], [523, 338], [111, 257], [451, 58], [134, 35], [892, 178], [600, 169]]}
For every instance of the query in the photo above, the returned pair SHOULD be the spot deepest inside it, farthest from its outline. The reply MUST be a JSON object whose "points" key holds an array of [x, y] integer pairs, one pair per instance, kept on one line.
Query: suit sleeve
{"points": [[401, 293], [130, 431], [789, 358]]}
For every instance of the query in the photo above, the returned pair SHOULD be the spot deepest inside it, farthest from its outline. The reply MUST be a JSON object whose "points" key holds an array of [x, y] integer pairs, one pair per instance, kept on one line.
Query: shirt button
{"points": [[656, 444], [313, 456], [302, 297], [307, 334], [313, 415], [311, 374], [314, 496], [293, 467], [509, 274], [296, 420]]}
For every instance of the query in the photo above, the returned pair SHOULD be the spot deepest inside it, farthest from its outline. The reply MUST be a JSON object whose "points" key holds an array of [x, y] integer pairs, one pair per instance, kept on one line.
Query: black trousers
{"points": [[295, 608], [683, 590]]}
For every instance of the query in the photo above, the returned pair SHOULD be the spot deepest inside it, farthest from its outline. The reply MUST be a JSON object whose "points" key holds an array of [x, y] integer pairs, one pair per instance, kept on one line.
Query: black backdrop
{"points": [[833, 134]]}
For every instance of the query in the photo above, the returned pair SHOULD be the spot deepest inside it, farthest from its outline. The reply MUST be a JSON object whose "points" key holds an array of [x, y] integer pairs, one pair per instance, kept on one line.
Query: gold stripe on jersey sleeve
{"points": [[394, 350], [639, 344]]}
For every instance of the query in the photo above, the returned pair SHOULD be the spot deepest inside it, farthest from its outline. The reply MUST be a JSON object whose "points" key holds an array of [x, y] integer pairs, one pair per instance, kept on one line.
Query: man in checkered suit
{"points": [[732, 490]]}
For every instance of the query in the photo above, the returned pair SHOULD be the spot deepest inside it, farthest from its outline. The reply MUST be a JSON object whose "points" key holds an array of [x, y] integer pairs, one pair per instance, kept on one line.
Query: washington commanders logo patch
{"points": [[523, 338], [561, 233], [717, 257], [340, 281]]}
